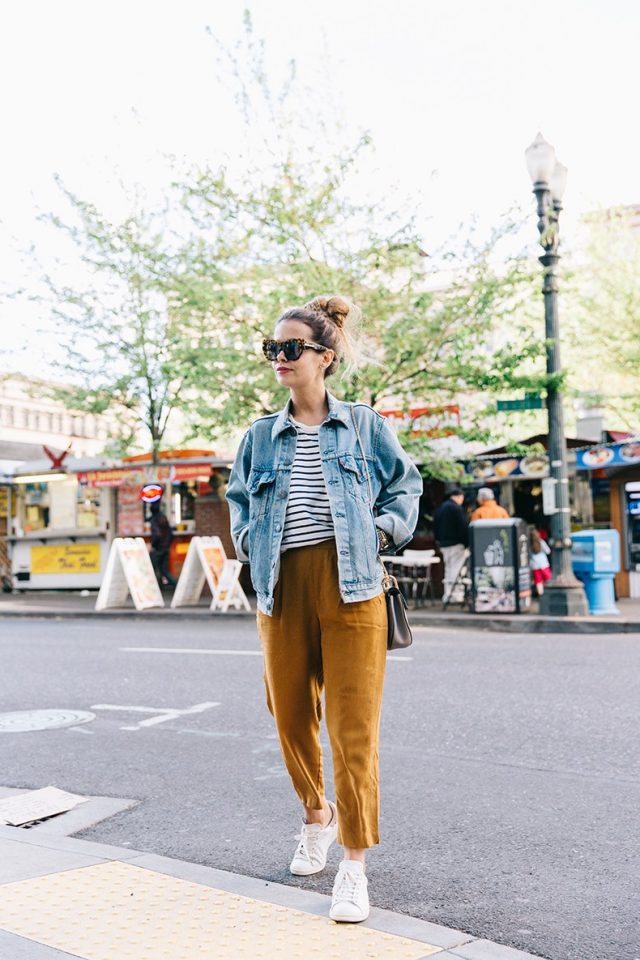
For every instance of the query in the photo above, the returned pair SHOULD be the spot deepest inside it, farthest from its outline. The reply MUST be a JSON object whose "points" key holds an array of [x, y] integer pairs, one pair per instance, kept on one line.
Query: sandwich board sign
{"points": [[228, 591], [206, 560], [129, 571]]}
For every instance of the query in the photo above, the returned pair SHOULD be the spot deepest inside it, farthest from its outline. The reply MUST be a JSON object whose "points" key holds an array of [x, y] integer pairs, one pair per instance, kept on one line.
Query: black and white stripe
{"points": [[308, 518]]}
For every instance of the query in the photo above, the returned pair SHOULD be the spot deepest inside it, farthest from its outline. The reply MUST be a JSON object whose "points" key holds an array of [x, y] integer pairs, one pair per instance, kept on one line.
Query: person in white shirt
{"points": [[540, 568]]}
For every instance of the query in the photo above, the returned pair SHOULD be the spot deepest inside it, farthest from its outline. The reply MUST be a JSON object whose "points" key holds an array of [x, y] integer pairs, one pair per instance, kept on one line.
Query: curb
{"points": [[504, 623], [452, 944]]}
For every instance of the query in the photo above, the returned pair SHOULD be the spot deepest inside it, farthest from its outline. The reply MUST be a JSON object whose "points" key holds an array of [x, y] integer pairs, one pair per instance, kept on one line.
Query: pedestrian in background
{"points": [[539, 562], [302, 515], [487, 508], [161, 537], [451, 531]]}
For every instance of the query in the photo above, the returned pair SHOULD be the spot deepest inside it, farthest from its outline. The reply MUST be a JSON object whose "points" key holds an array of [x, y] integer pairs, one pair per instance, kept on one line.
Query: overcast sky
{"points": [[452, 91]]}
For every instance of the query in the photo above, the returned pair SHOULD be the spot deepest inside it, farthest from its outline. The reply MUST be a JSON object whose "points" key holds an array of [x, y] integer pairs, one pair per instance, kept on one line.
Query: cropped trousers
{"points": [[316, 642]]}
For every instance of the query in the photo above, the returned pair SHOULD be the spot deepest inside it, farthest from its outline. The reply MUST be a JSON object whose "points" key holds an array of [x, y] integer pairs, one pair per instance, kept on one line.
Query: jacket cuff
{"points": [[242, 546]]}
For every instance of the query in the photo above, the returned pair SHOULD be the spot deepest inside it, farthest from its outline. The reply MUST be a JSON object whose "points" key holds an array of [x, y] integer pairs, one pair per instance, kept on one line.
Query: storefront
{"points": [[517, 482], [613, 472], [62, 523]]}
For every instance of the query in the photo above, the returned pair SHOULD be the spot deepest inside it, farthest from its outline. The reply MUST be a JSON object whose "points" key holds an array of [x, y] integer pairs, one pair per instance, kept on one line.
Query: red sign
{"points": [[426, 421], [151, 493], [190, 471], [118, 475]]}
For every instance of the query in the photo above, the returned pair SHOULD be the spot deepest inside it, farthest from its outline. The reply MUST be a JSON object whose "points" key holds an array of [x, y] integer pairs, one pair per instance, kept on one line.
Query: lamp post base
{"points": [[562, 600]]}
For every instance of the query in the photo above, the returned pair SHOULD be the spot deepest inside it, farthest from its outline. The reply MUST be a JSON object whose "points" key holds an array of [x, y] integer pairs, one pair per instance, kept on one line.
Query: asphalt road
{"points": [[510, 768]]}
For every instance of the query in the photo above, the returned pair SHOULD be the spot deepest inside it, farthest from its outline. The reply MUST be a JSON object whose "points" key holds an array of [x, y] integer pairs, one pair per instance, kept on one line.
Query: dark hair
{"points": [[331, 321], [456, 492]]}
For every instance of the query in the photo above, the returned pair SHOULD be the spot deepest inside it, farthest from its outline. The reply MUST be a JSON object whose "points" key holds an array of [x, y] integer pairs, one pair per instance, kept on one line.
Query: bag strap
{"points": [[388, 578]]}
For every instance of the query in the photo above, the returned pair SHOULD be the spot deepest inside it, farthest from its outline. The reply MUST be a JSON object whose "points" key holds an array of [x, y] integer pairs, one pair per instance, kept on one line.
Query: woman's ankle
{"points": [[323, 816]]}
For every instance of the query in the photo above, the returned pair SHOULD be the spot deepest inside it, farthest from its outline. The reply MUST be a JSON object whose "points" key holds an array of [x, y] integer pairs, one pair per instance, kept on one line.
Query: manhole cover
{"points": [[22, 721]]}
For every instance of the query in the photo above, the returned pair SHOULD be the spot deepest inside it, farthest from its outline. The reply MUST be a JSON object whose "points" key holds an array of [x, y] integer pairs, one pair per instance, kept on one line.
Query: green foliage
{"points": [[603, 314], [178, 299]]}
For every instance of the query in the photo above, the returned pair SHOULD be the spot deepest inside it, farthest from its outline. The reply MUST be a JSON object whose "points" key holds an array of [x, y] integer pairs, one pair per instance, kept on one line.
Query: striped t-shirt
{"points": [[308, 518]]}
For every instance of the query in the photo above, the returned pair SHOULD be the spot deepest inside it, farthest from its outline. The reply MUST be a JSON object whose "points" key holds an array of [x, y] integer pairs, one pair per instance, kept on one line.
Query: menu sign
{"points": [[207, 561], [609, 455], [130, 522], [129, 571], [533, 466], [500, 561]]}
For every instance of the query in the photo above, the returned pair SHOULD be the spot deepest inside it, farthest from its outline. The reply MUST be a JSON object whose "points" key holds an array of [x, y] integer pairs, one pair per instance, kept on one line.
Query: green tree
{"points": [[124, 342], [177, 299], [603, 311]]}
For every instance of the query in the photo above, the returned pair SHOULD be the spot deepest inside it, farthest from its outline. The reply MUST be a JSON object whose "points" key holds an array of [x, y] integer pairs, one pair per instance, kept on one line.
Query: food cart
{"points": [[64, 520], [60, 530]]}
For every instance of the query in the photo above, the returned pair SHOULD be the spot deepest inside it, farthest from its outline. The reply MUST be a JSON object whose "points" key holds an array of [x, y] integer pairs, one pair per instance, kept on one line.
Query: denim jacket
{"points": [[258, 492]]}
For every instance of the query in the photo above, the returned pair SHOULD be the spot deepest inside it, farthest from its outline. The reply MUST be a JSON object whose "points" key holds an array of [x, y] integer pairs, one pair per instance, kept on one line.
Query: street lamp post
{"points": [[564, 594]]}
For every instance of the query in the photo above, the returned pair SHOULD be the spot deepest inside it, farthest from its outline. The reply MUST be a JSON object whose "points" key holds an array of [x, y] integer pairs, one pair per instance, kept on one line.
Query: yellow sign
{"points": [[66, 558]]}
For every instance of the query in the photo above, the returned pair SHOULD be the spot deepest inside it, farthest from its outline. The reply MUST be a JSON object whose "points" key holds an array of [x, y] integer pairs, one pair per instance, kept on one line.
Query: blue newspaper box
{"points": [[595, 556]]}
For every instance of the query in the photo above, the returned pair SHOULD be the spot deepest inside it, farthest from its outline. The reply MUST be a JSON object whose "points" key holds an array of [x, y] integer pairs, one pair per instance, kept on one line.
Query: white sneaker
{"points": [[350, 900], [311, 854]]}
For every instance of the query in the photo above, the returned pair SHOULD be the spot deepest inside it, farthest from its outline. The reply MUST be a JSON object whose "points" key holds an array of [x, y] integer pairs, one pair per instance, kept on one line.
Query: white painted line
{"points": [[162, 714], [232, 653]]}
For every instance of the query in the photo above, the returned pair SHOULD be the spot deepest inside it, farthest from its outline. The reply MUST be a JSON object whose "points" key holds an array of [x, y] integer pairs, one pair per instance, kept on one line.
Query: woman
{"points": [[301, 514]]}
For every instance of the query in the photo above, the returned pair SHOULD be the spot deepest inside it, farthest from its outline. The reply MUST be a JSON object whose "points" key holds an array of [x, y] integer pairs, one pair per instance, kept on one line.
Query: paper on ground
{"points": [[36, 805]]}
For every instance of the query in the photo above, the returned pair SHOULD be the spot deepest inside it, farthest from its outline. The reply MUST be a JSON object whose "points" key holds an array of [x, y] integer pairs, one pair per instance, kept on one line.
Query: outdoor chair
{"points": [[412, 570]]}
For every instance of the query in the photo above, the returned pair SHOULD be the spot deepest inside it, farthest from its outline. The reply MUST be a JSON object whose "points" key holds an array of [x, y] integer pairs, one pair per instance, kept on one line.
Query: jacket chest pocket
{"points": [[354, 477], [261, 484]]}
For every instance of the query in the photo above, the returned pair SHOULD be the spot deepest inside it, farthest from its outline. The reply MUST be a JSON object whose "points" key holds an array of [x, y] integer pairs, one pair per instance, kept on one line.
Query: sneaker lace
{"points": [[308, 842], [348, 886]]}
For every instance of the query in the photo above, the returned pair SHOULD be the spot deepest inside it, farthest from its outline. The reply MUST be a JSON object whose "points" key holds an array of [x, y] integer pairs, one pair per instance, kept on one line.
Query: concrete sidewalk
{"points": [[45, 604], [64, 898]]}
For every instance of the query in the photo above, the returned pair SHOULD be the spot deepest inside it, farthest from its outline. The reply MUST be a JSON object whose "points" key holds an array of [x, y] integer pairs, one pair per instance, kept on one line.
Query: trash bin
{"points": [[500, 573], [595, 556]]}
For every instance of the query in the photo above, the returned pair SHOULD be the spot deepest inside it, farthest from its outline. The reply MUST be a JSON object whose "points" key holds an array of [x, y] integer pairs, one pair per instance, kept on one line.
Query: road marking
{"points": [[233, 653], [162, 714]]}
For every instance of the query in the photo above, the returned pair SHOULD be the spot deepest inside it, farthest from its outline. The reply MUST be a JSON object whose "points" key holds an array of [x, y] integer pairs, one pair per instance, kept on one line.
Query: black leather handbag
{"points": [[398, 630], [399, 633]]}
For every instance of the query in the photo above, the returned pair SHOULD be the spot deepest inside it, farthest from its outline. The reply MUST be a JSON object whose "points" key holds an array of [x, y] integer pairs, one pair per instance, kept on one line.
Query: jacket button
{"points": [[283, 493]]}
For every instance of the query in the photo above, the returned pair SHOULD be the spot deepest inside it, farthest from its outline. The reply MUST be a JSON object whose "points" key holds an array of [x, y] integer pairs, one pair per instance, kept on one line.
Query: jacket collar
{"points": [[338, 411]]}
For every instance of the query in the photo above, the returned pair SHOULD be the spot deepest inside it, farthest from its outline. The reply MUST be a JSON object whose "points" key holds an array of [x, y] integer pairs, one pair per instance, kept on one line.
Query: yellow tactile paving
{"points": [[118, 911]]}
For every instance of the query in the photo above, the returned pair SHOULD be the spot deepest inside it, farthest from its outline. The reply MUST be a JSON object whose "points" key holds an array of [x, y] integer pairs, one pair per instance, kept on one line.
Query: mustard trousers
{"points": [[314, 642]]}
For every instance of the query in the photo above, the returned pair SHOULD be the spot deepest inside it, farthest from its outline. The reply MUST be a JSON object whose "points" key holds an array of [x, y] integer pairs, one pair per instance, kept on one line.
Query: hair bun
{"points": [[335, 308]]}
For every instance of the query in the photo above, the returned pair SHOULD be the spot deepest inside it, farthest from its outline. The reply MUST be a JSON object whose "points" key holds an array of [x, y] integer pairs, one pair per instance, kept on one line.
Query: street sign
{"points": [[531, 401], [549, 496]]}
